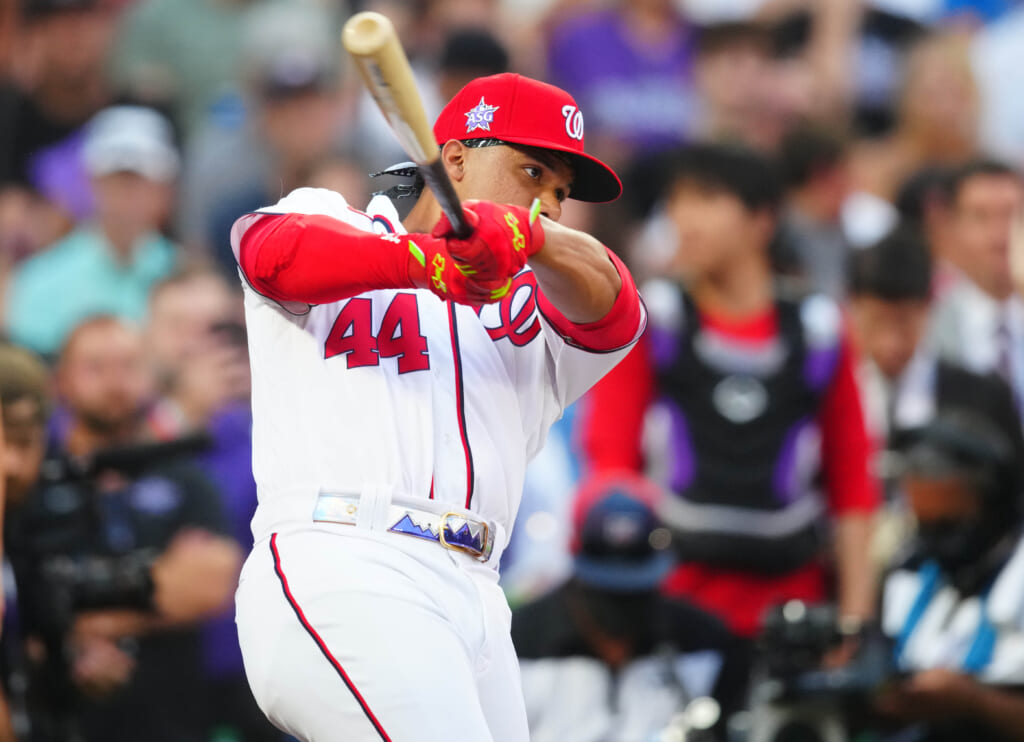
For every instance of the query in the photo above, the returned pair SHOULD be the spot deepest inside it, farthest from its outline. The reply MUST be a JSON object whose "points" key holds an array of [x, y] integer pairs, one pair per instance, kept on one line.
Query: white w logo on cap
{"points": [[573, 122]]}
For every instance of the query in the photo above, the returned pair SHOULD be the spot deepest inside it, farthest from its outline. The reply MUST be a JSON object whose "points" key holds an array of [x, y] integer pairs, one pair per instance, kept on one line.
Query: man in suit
{"points": [[904, 382], [979, 322]]}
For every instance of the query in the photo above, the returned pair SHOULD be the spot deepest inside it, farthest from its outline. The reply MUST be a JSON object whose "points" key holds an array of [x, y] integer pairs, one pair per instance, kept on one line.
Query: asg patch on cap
{"points": [[480, 116]]}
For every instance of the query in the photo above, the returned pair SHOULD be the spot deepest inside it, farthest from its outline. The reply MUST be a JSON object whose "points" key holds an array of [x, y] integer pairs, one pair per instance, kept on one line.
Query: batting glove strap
{"points": [[432, 266]]}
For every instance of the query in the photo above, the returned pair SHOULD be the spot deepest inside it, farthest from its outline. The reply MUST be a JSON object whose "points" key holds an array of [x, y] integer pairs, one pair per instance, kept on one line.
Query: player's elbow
{"points": [[268, 248]]}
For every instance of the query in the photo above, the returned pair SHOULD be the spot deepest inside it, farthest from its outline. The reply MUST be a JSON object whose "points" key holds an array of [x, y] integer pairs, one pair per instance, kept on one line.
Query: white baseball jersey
{"points": [[397, 391]]}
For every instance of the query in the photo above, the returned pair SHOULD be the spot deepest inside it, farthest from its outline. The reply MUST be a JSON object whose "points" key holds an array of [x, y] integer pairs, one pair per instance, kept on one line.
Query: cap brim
{"points": [[593, 181], [621, 575]]}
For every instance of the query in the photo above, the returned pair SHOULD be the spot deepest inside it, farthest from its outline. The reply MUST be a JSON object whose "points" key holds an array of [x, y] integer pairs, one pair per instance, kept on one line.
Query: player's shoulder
{"points": [[310, 201]]}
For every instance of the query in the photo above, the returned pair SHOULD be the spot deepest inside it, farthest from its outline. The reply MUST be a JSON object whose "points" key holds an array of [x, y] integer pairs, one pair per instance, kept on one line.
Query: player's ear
{"points": [[453, 154]]}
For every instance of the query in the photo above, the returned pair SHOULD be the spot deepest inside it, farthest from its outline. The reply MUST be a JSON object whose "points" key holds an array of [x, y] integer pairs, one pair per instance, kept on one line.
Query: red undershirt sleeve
{"points": [[316, 259], [845, 446], [615, 330], [610, 426]]}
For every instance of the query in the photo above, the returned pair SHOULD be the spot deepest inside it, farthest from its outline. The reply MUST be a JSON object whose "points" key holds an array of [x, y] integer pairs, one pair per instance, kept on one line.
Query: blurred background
{"points": [[758, 493]]}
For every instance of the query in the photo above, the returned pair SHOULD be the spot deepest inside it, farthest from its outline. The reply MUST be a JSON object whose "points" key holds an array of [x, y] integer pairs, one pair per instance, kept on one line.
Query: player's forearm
{"points": [[575, 274], [197, 579], [318, 260], [855, 571]]}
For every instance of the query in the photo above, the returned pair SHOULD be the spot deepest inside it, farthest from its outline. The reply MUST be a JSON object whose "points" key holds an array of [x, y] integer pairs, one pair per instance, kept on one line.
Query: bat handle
{"points": [[437, 180]]}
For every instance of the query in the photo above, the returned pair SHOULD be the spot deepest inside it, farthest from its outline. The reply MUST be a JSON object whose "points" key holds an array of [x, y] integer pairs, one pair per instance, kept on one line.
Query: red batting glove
{"points": [[503, 238], [434, 267]]}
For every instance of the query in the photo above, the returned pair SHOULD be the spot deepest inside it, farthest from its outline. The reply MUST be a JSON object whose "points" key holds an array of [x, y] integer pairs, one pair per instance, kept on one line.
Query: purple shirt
{"points": [[639, 94], [58, 173], [229, 464]]}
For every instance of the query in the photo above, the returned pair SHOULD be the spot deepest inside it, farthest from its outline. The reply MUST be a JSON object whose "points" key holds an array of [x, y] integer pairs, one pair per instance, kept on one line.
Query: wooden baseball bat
{"points": [[371, 40]]}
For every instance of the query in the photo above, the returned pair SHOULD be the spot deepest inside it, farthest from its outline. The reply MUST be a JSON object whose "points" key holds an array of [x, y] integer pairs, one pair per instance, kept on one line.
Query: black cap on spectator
{"points": [[807, 151], [896, 268], [962, 442], [750, 176], [474, 50]]}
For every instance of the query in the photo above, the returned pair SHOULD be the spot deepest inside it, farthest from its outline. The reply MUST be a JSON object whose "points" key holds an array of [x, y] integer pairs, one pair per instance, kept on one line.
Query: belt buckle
{"points": [[483, 553]]}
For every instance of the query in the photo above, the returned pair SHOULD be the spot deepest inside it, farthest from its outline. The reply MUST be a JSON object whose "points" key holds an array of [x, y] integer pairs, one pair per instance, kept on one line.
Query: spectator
{"points": [[183, 54], [603, 655], [731, 70], [25, 400], [631, 67], [902, 381], [107, 266], [150, 526], [979, 322], [197, 342], [757, 408], [55, 83], [923, 202], [954, 604], [468, 54], [294, 121], [58, 84], [817, 179], [937, 118]]}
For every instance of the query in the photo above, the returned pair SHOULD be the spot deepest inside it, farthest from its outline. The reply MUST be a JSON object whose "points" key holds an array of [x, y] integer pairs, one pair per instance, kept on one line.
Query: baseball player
{"points": [[402, 379]]}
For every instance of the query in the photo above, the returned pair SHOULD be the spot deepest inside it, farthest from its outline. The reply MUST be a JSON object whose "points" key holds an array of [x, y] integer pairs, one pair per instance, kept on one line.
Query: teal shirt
{"points": [[79, 277]]}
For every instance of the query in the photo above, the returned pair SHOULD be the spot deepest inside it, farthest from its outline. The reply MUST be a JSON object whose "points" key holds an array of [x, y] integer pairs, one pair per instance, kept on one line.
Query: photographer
{"points": [[116, 558], [955, 606], [604, 656]]}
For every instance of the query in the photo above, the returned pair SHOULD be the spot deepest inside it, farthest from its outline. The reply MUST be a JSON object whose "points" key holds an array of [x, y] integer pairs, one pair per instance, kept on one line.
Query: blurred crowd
{"points": [[824, 207]]}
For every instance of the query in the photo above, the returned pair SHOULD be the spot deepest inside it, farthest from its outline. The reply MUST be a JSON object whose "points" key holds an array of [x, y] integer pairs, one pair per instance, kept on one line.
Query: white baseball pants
{"points": [[351, 635]]}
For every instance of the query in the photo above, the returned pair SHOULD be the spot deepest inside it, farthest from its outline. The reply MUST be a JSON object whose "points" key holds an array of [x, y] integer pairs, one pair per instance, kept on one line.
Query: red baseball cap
{"points": [[519, 110]]}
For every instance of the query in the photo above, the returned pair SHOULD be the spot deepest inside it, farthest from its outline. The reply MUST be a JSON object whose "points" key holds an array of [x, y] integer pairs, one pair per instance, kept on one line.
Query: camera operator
{"points": [[116, 561], [955, 606], [605, 657]]}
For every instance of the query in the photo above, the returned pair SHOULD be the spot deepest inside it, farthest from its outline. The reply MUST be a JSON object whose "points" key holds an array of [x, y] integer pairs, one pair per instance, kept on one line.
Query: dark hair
{"points": [[714, 38], [806, 151], [473, 50], [925, 186], [959, 176], [752, 177], [896, 268]]}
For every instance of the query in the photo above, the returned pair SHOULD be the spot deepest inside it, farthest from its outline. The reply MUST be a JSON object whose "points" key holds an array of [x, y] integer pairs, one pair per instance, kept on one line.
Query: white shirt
{"points": [[458, 424], [942, 635], [966, 331]]}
